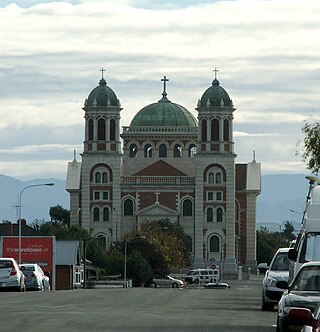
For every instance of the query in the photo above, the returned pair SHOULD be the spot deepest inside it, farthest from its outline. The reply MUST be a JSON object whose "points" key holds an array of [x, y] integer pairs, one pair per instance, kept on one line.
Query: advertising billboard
{"points": [[37, 250]]}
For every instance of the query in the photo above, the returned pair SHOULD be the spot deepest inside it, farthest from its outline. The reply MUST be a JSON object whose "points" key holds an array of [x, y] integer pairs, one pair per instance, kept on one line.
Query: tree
{"points": [[311, 145], [60, 215], [287, 232]]}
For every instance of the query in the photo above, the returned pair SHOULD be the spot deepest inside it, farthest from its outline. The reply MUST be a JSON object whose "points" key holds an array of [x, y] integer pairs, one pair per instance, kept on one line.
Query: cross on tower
{"points": [[164, 80], [215, 70], [102, 70]]}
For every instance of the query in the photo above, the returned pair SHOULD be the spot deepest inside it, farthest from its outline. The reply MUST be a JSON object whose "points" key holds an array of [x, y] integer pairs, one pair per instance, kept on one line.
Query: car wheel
{"points": [[266, 306], [174, 285], [196, 281], [154, 285]]}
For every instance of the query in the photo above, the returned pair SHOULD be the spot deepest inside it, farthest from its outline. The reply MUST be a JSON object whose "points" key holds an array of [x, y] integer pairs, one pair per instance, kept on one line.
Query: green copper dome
{"points": [[215, 95], [102, 95], [164, 113]]}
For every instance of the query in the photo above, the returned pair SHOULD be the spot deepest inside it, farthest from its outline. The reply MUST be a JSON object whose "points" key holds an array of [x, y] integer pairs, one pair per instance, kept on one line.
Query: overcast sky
{"points": [[51, 53]]}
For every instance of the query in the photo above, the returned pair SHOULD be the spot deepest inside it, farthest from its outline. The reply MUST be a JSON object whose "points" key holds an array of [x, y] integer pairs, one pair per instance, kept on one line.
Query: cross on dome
{"points": [[164, 80], [102, 70], [215, 70]]}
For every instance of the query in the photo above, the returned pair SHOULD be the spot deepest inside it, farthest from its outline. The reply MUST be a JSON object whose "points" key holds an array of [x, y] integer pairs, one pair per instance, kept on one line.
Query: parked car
{"points": [[11, 277], [277, 273], [310, 321], [304, 291], [202, 276], [167, 281], [35, 279]]}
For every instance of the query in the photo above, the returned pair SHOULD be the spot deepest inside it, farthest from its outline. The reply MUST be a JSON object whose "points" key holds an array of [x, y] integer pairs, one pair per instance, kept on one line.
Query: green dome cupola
{"points": [[102, 95], [164, 113]]}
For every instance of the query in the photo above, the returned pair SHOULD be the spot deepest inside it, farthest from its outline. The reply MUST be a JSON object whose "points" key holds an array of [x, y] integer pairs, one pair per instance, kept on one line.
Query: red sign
{"points": [[37, 250]]}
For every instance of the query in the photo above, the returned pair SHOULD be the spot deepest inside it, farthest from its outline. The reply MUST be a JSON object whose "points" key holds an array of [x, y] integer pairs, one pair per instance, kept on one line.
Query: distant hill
{"points": [[36, 201], [280, 194]]}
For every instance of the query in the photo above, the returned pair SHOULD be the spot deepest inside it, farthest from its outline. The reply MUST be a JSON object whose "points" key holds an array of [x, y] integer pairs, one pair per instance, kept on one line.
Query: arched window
{"points": [[148, 151], [209, 214], [226, 135], [192, 151], [112, 130], [218, 177], [162, 151], [96, 214], [104, 177], [219, 215], [204, 130], [133, 150], [101, 130], [211, 178], [215, 130], [187, 207], [90, 130], [102, 241], [128, 207], [214, 244], [97, 177], [106, 214], [177, 151]]}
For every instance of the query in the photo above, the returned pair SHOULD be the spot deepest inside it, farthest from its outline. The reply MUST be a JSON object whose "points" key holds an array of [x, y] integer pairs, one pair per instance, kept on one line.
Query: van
{"points": [[202, 276], [307, 245]]}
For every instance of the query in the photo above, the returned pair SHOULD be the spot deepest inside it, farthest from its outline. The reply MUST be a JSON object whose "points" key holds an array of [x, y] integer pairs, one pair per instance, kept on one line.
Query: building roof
{"points": [[215, 96]]}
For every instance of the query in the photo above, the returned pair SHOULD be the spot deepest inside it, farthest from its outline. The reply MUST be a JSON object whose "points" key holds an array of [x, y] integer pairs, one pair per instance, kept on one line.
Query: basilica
{"points": [[167, 164]]}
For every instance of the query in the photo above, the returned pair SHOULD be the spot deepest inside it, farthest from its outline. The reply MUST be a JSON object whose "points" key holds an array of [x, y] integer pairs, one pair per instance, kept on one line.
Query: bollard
{"points": [[240, 273], [249, 273]]}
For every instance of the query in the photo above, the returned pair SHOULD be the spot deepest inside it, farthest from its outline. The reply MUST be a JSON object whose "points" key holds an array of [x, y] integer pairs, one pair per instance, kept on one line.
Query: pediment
{"points": [[160, 168], [158, 210]]}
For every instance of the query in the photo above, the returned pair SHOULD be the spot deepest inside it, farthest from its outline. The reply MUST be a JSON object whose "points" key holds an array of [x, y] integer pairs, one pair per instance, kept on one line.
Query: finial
{"points": [[74, 156], [102, 70], [164, 93], [215, 70], [254, 155]]}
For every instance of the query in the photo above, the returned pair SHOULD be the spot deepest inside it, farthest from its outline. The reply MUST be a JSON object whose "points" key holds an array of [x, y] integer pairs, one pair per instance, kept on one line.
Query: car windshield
{"points": [[281, 262], [308, 279]]}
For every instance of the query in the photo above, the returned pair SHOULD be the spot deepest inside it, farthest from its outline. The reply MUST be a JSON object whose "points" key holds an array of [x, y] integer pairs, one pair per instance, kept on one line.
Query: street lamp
{"points": [[97, 236], [125, 258], [20, 199]]}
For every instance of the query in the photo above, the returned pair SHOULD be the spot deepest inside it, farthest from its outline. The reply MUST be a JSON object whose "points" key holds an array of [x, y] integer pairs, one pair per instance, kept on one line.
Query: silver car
{"points": [[275, 276], [167, 281], [35, 279], [11, 278]]}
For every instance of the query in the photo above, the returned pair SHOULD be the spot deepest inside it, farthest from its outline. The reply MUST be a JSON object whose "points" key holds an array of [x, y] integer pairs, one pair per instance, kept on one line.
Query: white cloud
{"points": [[267, 53]]}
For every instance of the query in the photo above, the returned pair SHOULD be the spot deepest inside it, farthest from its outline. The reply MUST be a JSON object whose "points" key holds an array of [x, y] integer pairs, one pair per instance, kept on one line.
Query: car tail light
{"points": [[13, 271]]}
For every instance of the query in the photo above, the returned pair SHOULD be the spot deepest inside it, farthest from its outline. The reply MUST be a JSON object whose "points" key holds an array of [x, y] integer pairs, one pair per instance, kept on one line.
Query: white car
{"points": [[35, 279], [275, 276], [11, 278], [167, 281]]}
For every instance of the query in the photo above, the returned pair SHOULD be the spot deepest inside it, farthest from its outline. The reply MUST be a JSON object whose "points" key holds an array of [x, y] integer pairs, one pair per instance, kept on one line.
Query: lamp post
{"points": [[97, 236], [125, 259], [20, 200]]}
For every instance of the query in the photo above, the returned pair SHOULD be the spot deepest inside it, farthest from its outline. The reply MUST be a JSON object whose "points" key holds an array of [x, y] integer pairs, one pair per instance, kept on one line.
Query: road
{"points": [[138, 309]]}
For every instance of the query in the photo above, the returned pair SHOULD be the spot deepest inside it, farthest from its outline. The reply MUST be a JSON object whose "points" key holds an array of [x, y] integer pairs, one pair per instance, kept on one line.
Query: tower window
{"points": [[162, 151], [90, 130], [96, 214], [112, 130], [214, 244], [104, 177], [204, 130], [218, 177], [226, 135], [105, 214], [210, 215], [215, 130], [211, 178], [98, 177], [219, 215], [101, 130]]}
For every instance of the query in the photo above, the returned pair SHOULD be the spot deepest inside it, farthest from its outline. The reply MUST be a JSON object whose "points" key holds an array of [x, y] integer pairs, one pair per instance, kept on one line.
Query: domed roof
{"points": [[164, 113], [215, 95], [102, 95]]}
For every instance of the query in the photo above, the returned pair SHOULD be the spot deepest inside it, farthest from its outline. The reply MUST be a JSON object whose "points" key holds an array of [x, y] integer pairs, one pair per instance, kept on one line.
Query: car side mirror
{"points": [[292, 254], [282, 284]]}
